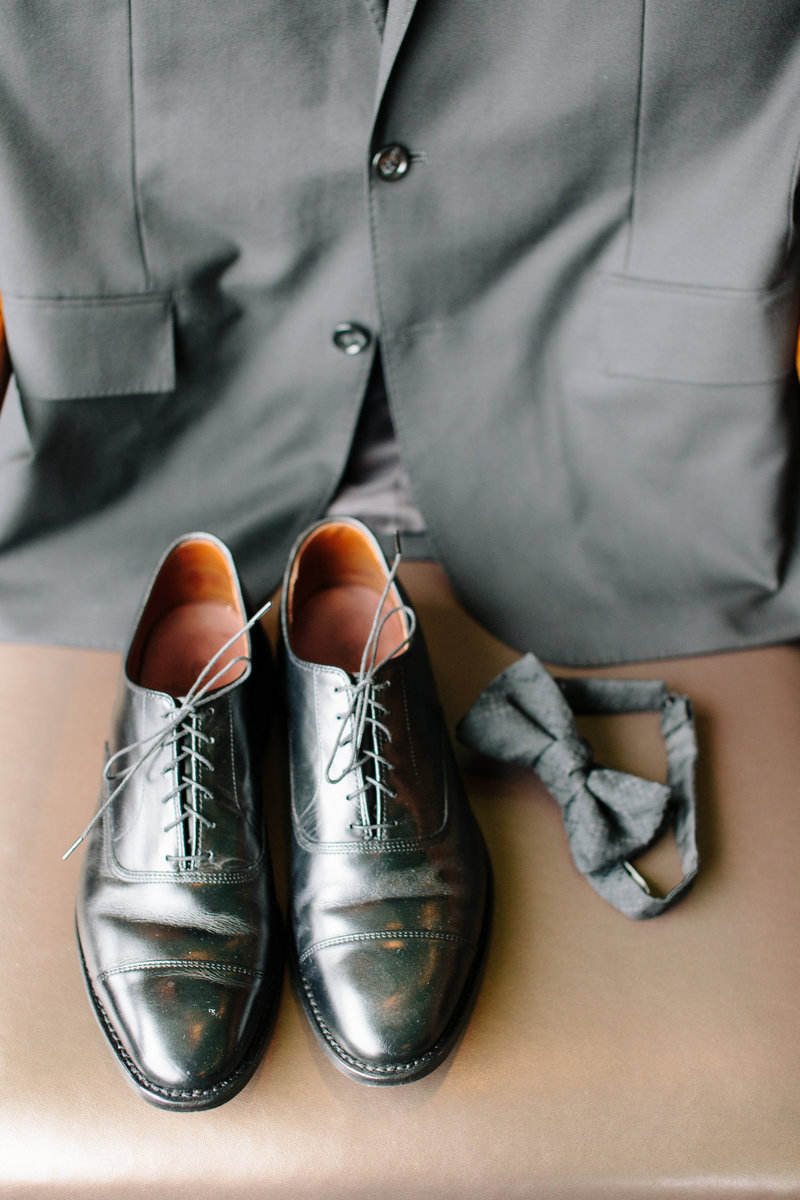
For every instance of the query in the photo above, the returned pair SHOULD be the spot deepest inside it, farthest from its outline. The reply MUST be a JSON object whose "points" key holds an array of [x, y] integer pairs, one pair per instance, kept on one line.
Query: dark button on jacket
{"points": [[391, 163], [351, 338]]}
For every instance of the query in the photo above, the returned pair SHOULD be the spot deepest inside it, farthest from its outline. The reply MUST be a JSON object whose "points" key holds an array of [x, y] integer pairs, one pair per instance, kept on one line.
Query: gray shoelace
{"points": [[186, 760], [361, 727], [179, 723]]}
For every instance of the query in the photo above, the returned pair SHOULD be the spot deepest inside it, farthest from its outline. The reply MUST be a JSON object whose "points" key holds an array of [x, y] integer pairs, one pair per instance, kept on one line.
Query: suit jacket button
{"points": [[351, 338], [391, 163]]}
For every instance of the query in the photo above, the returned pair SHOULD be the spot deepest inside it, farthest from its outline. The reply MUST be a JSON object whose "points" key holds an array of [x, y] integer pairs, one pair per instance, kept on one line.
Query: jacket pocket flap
{"points": [[83, 347], [698, 335]]}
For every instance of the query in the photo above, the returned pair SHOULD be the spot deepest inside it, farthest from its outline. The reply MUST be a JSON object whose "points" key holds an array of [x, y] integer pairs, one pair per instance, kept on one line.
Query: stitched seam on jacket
{"points": [[702, 291], [137, 197], [637, 144], [92, 300]]}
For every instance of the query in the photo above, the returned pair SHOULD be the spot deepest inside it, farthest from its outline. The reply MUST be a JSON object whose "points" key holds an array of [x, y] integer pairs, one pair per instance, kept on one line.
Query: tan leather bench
{"points": [[605, 1058]]}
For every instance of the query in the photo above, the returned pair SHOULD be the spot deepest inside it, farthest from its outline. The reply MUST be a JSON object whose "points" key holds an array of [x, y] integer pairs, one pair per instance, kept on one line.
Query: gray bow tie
{"points": [[525, 716]]}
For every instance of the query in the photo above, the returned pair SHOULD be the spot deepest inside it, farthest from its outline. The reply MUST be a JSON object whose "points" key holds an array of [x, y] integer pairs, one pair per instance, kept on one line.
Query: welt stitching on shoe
{"points": [[198, 877], [451, 1030], [117, 871], [147, 1084], [229, 719], [360, 846], [181, 964], [296, 817], [409, 734], [388, 845], [371, 1068], [206, 878], [385, 845], [431, 935], [465, 999]]}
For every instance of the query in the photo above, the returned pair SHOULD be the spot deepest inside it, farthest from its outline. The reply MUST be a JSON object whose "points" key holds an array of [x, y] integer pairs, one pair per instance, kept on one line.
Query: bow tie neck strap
{"points": [[527, 717]]}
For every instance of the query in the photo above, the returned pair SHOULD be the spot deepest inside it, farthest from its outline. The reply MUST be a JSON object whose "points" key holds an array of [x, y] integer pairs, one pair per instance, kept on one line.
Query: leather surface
{"points": [[604, 1059], [177, 923], [390, 905]]}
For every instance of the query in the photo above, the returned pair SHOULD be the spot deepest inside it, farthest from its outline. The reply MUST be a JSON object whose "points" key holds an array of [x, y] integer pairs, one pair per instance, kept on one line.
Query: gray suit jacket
{"points": [[585, 287]]}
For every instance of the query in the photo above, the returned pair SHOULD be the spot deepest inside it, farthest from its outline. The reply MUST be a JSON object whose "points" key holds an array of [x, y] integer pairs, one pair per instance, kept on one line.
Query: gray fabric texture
{"points": [[585, 289], [525, 716], [375, 486]]}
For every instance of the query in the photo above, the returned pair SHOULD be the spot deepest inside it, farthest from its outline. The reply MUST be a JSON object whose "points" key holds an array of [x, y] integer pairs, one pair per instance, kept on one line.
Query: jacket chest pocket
{"points": [[696, 335], [704, 289]]}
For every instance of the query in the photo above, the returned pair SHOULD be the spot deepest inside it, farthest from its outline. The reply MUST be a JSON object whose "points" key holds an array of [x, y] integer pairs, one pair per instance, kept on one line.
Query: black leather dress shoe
{"points": [[390, 878], [179, 934]]}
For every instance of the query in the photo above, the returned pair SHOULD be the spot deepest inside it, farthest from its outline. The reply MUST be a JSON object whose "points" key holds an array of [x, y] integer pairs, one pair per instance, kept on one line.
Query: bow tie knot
{"points": [[610, 816]]}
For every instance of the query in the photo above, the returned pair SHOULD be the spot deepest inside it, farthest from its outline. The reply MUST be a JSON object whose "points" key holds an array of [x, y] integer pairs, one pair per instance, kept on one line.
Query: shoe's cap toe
{"points": [[185, 1034], [386, 1005]]}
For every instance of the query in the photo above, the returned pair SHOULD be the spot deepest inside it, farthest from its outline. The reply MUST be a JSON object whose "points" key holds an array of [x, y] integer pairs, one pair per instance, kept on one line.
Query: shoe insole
{"points": [[181, 643], [332, 626]]}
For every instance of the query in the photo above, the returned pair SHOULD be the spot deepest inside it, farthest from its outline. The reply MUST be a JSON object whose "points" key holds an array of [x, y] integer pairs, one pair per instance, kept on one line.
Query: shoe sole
{"points": [[177, 1099], [399, 1073]]}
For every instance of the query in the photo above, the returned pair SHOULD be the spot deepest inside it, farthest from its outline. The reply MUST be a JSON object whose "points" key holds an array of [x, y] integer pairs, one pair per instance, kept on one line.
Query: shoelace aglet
{"points": [[74, 846]]}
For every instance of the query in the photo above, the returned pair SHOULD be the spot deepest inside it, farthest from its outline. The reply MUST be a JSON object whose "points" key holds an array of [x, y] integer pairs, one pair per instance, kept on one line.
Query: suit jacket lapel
{"points": [[398, 16]]}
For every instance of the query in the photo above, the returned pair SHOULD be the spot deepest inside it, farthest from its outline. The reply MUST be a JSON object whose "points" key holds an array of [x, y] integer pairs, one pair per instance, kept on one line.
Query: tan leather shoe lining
{"points": [[193, 610], [334, 590]]}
